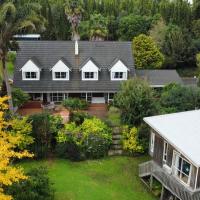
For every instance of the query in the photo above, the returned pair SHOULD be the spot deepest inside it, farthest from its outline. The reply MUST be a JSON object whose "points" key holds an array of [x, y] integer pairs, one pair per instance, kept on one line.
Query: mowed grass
{"points": [[114, 178]]}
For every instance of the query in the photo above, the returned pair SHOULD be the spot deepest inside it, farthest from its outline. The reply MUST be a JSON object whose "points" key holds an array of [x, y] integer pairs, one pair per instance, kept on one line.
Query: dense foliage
{"points": [[123, 20], [37, 187], [136, 100], [45, 128], [75, 104], [14, 138], [91, 139], [177, 98], [19, 97], [130, 141], [146, 53]]}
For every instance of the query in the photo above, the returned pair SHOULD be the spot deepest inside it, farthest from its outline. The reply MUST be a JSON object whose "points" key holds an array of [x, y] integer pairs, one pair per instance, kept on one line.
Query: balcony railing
{"points": [[168, 181]]}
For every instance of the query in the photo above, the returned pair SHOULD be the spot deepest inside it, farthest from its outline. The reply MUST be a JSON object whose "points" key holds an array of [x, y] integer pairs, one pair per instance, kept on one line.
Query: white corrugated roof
{"points": [[182, 130]]}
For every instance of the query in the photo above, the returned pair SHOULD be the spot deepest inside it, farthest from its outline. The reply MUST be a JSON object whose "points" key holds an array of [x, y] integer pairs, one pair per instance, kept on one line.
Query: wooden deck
{"points": [[99, 110], [168, 181]]}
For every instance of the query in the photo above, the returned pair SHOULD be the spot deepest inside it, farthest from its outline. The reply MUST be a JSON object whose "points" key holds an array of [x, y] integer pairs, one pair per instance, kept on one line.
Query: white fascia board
{"points": [[60, 67], [30, 66], [119, 66], [90, 67]]}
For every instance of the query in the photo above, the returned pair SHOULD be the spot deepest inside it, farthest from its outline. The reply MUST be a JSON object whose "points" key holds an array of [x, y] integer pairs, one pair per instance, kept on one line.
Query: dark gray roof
{"points": [[85, 62], [49, 52], [159, 78], [190, 81]]}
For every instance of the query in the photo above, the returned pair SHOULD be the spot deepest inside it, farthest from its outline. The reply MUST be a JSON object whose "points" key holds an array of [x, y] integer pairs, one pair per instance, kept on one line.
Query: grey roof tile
{"points": [[50, 52]]}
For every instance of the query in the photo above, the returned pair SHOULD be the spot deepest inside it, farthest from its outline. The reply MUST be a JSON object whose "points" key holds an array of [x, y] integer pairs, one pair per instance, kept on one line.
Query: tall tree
{"points": [[74, 11], [146, 53], [16, 18]]}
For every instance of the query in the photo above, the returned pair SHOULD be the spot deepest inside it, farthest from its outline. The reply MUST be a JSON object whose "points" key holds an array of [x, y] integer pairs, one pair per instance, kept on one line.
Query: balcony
{"points": [[168, 181]]}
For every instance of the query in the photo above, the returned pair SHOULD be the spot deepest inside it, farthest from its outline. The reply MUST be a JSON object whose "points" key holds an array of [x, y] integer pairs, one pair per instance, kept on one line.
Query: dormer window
{"points": [[89, 70], [118, 71], [60, 71], [61, 75], [31, 70], [30, 75]]}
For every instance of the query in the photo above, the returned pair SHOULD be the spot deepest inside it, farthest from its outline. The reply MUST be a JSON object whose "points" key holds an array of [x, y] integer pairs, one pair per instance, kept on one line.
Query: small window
{"points": [[182, 168], [60, 75], [165, 151], [57, 97], [152, 142], [30, 75], [118, 75], [89, 74]]}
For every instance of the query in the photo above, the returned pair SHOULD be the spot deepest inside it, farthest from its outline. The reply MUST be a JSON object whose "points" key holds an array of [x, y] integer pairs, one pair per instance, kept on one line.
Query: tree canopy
{"points": [[146, 53]]}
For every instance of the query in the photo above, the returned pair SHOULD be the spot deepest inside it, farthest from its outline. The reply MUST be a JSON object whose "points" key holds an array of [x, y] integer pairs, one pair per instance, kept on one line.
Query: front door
{"points": [[44, 98], [98, 98]]}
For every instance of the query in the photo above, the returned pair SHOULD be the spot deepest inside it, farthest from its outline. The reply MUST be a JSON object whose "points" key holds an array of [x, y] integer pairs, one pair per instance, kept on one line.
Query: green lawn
{"points": [[10, 68], [113, 178]]}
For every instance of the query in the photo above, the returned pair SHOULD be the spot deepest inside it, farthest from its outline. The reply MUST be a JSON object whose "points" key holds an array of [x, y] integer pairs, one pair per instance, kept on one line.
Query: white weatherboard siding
{"points": [[182, 130], [30, 66], [119, 67], [60, 67], [90, 67]]}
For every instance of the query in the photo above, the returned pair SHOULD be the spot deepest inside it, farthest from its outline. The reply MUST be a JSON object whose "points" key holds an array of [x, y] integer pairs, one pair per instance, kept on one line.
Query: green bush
{"points": [[36, 187], [75, 104], [11, 56], [91, 139], [78, 117], [45, 128], [19, 97]]}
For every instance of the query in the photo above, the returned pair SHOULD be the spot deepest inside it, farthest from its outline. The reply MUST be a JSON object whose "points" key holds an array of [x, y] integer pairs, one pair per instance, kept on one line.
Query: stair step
{"points": [[115, 152], [114, 142], [116, 137], [116, 147]]}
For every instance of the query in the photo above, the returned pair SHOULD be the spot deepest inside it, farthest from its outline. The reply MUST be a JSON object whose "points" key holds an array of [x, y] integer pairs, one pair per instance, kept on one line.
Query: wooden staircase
{"points": [[116, 146]]}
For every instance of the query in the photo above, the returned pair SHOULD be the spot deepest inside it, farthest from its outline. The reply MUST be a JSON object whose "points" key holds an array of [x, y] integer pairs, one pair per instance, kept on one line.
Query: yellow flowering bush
{"points": [[13, 135], [130, 140]]}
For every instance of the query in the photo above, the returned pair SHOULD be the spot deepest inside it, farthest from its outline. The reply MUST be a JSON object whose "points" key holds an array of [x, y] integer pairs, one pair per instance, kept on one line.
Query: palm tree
{"points": [[98, 26], [74, 11], [16, 18]]}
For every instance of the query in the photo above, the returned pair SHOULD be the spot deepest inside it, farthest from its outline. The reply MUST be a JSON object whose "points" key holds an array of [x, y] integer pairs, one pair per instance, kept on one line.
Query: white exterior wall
{"points": [[60, 67], [90, 67], [119, 67], [30, 66]]}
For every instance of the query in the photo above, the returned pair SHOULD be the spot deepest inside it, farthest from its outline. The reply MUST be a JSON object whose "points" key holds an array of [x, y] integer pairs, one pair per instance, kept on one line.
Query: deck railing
{"points": [[168, 181]]}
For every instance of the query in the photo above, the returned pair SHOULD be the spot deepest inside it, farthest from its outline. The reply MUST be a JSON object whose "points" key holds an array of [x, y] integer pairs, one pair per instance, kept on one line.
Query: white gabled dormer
{"points": [[118, 71], [30, 71], [90, 70], [60, 71]]}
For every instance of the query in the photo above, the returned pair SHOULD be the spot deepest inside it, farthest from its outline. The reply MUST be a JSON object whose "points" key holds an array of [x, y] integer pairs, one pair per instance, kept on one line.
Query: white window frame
{"points": [[30, 79], [60, 79], [165, 151], [54, 97], [152, 142], [95, 74], [113, 73], [176, 170]]}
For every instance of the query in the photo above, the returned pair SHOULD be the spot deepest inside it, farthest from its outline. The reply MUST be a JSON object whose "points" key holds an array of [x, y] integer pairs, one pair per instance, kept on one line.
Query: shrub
{"points": [[37, 186], [11, 56], [19, 97], [75, 104], [91, 139], [45, 127], [78, 117], [130, 141]]}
